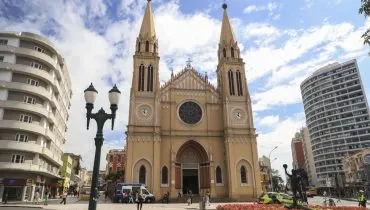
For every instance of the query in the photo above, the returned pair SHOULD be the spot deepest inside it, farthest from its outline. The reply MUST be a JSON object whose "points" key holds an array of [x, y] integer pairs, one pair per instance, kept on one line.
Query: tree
{"points": [[365, 10], [277, 181]]}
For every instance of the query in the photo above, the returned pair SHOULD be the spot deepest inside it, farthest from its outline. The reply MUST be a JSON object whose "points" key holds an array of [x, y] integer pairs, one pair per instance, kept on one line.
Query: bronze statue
{"points": [[298, 185]]}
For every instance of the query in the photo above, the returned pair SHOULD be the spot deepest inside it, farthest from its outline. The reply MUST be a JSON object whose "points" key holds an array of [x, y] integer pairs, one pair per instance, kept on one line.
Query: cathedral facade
{"points": [[189, 135]]}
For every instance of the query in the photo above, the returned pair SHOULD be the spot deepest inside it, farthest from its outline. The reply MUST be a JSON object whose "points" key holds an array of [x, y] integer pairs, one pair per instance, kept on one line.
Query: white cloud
{"points": [[280, 136], [271, 6], [260, 29], [269, 120]]}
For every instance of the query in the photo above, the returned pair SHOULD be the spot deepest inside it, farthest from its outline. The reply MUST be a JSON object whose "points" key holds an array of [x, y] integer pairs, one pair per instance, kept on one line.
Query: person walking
{"points": [[106, 195], [64, 198], [46, 197], [208, 198], [139, 200], [361, 199], [37, 197], [5, 197]]}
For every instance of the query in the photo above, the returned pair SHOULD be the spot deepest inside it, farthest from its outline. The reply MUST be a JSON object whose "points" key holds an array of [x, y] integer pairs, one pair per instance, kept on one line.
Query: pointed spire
{"points": [[147, 27], [227, 33]]}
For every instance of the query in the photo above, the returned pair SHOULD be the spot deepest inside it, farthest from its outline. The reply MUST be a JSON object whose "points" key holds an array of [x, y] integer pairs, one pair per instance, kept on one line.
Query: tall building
{"points": [[308, 157], [188, 134], [65, 173], [297, 151], [75, 180], [35, 96], [337, 117], [116, 161]]}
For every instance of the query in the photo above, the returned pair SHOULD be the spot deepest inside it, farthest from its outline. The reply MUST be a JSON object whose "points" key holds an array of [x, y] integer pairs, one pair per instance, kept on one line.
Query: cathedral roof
{"points": [[227, 33], [201, 80], [147, 27]]}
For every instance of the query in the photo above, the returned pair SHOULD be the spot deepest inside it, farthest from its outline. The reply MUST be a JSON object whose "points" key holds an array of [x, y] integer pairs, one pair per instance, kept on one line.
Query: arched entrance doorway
{"points": [[192, 168]]}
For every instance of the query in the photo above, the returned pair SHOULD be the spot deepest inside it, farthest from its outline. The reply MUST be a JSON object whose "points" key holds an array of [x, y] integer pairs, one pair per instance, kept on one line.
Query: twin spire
{"points": [[147, 29]]}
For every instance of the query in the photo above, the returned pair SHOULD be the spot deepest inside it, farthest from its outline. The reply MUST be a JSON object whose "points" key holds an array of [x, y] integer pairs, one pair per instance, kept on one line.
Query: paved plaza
{"points": [[73, 204]]}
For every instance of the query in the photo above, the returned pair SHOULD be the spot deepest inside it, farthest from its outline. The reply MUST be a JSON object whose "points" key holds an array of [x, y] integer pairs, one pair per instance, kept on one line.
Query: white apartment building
{"points": [[337, 117], [35, 97]]}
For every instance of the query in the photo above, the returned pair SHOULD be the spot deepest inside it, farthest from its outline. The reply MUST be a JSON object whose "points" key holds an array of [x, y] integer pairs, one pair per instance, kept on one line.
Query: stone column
{"points": [[24, 193], [33, 192], [2, 187], [157, 166], [42, 190]]}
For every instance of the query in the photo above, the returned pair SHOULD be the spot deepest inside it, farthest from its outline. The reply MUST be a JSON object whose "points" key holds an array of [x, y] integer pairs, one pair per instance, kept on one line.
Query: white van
{"points": [[140, 188]]}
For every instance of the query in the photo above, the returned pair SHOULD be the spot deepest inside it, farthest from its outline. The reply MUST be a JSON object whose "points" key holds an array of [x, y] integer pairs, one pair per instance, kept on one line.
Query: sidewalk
{"points": [[30, 204]]}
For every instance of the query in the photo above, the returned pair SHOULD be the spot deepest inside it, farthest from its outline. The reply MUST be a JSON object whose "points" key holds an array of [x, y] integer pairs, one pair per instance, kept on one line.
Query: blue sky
{"points": [[282, 42]]}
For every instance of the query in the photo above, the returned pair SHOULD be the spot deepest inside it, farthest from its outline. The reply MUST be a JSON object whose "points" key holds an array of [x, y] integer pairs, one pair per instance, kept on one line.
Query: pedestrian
{"points": [[131, 197], [361, 199], [46, 197], [64, 198], [106, 195], [6, 197], [37, 197], [191, 196], [208, 198], [139, 200]]}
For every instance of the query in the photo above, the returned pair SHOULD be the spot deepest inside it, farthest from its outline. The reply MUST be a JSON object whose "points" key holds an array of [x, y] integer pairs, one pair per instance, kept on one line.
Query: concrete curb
{"points": [[23, 206]]}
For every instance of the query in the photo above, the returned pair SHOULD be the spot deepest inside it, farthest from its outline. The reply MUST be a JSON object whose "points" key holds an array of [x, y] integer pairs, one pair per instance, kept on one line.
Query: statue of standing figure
{"points": [[297, 184]]}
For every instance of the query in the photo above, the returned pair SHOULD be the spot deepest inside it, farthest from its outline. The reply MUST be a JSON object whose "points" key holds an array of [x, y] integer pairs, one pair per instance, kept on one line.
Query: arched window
{"points": [[142, 175], [155, 48], [141, 78], [232, 52], [218, 175], [138, 46], [164, 175], [243, 175], [147, 46], [239, 83], [231, 83], [224, 52], [149, 85]]}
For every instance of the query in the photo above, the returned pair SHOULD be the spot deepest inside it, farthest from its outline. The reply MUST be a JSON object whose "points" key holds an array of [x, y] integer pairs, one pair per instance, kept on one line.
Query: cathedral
{"points": [[189, 135]]}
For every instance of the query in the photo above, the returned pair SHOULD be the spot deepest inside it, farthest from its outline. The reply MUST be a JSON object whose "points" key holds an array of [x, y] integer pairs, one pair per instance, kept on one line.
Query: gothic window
{"points": [[138, 46], [239, 83], [142, 174], [164, 175], [231, 83], [147, 46], [224, 52], [218, 175], [141, 78], [243, 175], [149, 86], [232, 52], [190, 112]]}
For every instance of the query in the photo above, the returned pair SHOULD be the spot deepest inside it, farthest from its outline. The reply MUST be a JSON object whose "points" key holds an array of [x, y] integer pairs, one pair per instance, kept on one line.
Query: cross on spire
{"points": [[188, 63]]}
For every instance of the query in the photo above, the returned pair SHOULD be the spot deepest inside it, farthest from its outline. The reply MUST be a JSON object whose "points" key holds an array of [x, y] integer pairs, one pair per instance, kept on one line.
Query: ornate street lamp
{"points": [[100, 118]]}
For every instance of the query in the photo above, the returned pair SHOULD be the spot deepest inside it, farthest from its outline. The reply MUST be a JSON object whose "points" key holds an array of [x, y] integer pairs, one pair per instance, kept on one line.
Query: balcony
{"points": [[29, 70], [27, 167], [23, 87], [51, 156], [20, 146], [18, 125], [20, 105]]}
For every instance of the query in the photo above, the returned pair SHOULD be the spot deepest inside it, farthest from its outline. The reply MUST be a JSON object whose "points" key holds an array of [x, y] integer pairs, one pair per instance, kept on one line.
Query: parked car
{"points": [[130, 189], [309, 194], [275, 197]]}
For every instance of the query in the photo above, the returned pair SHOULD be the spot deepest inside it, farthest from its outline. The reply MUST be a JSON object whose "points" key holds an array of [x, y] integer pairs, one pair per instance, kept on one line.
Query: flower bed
{"points": [[277, 206]]}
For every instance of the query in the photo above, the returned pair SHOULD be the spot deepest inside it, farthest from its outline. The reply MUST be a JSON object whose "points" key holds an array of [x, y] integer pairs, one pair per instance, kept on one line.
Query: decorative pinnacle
{"points": [[224, 6]]}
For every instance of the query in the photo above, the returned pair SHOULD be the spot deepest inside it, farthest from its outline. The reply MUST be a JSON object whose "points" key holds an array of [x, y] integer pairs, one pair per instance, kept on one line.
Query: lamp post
{"points": [[100, 117], [272, 183]]}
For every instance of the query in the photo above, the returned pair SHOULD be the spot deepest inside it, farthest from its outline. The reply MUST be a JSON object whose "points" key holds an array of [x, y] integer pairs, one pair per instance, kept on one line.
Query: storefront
{"points": [[14, 189]]}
